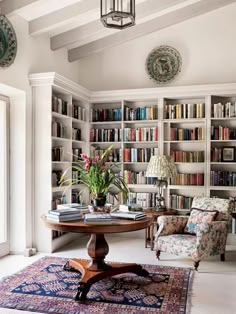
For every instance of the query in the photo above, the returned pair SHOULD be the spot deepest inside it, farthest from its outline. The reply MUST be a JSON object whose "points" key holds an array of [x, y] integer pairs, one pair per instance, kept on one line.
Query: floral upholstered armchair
{"points": [[199, 235]]}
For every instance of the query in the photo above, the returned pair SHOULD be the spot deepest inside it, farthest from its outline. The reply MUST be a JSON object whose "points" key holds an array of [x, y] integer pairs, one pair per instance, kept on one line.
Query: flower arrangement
{"points": [[98, 176]]}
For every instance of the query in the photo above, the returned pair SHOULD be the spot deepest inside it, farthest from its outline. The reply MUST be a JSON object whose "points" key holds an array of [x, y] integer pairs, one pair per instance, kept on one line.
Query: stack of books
{"points": [[129, 215], [67, 212], [98, 218]]}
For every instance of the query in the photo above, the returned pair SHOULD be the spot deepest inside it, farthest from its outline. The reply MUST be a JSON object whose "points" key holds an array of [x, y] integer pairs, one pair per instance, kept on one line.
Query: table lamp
{"points": [[161, 168]]}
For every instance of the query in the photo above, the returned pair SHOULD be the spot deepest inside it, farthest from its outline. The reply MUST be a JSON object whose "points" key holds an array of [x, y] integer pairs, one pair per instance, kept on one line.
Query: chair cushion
{"points": [[178, 244], [197, 217]]}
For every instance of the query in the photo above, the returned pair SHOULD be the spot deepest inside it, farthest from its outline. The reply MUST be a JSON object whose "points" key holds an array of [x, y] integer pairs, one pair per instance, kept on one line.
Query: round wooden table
{"points": [[97, 269]]}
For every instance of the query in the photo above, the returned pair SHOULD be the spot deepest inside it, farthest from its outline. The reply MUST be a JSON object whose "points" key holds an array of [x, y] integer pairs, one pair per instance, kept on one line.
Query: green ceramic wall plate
{"points": [[8, 43], [163, 64]]}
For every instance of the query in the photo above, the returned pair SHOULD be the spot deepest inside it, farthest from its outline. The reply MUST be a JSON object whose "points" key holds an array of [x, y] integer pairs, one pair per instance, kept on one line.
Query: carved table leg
{"points": [[96, 269]]}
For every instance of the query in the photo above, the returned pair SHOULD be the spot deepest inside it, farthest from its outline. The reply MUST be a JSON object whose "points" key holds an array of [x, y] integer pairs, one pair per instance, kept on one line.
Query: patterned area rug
{"points": [[46, 288]]}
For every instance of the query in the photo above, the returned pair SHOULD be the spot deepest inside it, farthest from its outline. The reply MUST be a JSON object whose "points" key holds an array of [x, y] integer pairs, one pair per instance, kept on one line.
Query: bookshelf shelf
{"points": [[223, 188], [190, 162], [187, 120], [61, 139], [223, 118], [143, 186], [105, 143], [60, 115], [186, 141], [78, 121], [134, 163], [141, 122], [186, 187], [76, 141], [140, 142], [106, 123], [219, 141]]}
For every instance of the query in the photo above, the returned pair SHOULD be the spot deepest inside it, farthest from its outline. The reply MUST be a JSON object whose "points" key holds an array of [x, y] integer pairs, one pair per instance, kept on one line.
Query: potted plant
{"points": [[99, 177]]}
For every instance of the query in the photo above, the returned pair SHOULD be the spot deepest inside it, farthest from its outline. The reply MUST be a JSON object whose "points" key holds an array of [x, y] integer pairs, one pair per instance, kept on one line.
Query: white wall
{"points": [[33, 55], [207, 45]]}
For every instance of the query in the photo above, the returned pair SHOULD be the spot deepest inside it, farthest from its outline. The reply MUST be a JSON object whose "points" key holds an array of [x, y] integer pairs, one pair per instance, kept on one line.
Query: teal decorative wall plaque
{"points": [[8, 42], [163, 64]]}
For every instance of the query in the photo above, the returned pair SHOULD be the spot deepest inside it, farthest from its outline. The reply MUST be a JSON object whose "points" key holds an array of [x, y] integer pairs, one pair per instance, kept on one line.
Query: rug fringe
{"points": [[190, 292]]}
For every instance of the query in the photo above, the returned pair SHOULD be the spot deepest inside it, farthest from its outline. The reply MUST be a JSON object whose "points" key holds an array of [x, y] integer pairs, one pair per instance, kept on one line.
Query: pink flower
{"points": [[87, 166], [96, 159], [84, 156]]}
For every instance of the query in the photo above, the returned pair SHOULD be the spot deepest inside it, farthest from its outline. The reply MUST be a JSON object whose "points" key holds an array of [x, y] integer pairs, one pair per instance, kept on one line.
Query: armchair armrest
{"points": [[170, 224], [214, 226], [211, 238]]}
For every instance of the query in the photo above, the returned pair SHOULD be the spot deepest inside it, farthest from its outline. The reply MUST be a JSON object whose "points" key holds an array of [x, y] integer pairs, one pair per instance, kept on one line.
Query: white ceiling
{"points": [[76, 26]]}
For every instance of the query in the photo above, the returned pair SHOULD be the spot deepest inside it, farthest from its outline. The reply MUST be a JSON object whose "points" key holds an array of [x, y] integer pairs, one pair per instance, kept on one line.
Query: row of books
{"points": [[184, 111], [227, 110], [105, 135], [100, 115], [59, 105], [178, 134], [57, 153], [216, 154], [114, 156], [56, 177], [78, 112], [76, 152], [188, 179], [139, 154], [76, 134], [143, 199], [132, 177], [177, 201], [185, 156], [140, 134], [144, 113], [58, 129], [222, 133], [222, 178]]}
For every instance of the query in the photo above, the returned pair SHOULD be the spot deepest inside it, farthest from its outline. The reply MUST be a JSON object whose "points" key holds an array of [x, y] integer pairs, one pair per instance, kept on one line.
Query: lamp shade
{"points": [[161, 167]]}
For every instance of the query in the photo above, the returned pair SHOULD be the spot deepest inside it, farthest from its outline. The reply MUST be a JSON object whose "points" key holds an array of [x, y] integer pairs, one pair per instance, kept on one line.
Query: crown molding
{"points": [[57, 80]]}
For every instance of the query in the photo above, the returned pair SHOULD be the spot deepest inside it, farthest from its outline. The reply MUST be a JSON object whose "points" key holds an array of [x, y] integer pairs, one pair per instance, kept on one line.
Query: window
{"points": [[4, 191]]}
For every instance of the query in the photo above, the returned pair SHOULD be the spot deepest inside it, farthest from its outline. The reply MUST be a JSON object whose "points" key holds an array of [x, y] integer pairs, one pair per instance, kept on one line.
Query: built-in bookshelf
{"points": [[195, 125], [61, 116], [185, 138]]}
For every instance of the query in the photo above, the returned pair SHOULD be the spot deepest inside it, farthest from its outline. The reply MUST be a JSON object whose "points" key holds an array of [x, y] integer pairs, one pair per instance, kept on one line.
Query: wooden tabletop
{"points": [[115, 226]]}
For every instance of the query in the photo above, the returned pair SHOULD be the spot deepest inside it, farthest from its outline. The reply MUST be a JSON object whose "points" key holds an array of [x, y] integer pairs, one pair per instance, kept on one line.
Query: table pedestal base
{"points": [[89, 277]]}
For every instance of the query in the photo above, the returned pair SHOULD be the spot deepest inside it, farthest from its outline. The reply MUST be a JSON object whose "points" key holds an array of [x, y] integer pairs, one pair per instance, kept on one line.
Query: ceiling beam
{"points": [[80, 11], [9, 6], [191, 9], [95, 29]]}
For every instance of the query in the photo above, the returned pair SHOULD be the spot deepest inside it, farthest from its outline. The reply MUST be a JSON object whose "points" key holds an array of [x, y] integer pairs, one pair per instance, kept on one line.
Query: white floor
{"points": [[214, 285]]}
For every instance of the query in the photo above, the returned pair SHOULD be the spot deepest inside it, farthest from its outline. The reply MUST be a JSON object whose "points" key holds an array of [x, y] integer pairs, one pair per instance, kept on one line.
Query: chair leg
{"points": [[196, 264], [222, 257], [158, 253]]}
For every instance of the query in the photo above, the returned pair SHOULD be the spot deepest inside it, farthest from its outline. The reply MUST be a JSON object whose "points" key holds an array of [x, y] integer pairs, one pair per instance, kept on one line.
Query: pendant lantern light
{"points": [[118, 14]]}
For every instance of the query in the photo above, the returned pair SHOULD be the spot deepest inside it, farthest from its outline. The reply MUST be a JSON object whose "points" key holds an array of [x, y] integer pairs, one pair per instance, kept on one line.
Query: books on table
{"points": [[67, 212], [129, 215], [98, 218], [63, 218]]}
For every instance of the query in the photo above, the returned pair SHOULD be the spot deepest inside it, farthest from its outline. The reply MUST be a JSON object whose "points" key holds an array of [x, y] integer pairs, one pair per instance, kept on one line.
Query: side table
{"points": [[149, 232]]}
